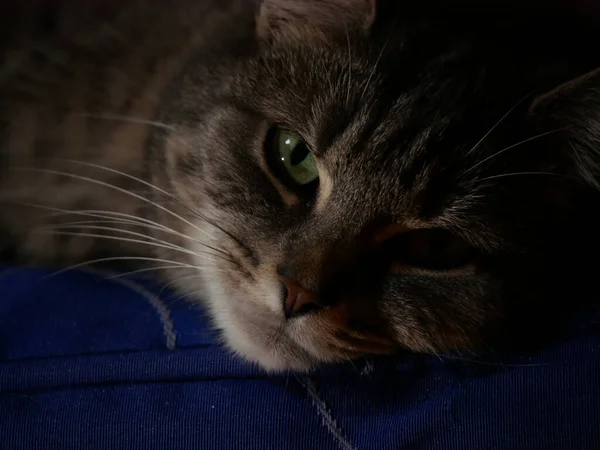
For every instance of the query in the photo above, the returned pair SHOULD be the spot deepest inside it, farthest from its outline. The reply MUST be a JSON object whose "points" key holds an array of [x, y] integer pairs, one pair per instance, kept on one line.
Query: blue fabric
{"points": [[93, 363]]}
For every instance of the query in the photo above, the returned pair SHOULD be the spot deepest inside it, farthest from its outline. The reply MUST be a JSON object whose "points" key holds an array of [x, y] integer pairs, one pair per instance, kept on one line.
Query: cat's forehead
{"points": [[336, 93], [382, 122]]}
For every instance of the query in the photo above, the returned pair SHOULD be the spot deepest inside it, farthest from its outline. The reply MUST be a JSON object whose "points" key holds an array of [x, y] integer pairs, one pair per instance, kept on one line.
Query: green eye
{"points": [[295, 157]]}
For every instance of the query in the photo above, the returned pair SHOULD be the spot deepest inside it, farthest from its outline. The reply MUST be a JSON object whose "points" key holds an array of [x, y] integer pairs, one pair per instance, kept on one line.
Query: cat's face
{"points": [[369, 195]]}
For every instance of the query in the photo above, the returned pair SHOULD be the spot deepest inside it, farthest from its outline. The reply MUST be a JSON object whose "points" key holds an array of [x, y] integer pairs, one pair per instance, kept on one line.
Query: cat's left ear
{"points": [[573, 111], [316, 17]]}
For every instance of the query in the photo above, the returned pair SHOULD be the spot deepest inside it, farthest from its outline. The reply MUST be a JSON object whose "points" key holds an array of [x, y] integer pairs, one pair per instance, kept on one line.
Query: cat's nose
{"points": [[296, 299]]}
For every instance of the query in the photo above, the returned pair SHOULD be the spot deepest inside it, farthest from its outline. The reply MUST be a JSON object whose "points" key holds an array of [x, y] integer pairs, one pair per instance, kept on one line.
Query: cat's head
{"points": [[368, 182]]}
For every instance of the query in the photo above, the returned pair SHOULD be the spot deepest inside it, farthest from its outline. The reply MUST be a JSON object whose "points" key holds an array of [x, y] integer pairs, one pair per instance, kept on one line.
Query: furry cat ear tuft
{"points": [[323, 17], [574, 108]]}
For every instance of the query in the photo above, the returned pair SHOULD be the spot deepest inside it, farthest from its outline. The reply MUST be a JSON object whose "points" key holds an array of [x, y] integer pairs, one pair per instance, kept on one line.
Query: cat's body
{"points": [[83, 82], [168, 113]]}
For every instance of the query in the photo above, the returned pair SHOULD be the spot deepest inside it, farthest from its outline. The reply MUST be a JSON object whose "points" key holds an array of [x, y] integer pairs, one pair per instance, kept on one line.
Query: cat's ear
{"points": [[317, 17], [571, 112]]}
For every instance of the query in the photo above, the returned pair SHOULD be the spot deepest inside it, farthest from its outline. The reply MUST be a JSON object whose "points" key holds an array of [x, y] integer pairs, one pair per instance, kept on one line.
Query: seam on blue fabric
{"points": [[328, 420], [164, 313]]}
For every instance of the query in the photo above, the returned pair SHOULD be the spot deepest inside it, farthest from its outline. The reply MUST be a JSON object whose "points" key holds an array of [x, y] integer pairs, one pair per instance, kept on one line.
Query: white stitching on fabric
{"points": [[328, 420], [164, 313]]}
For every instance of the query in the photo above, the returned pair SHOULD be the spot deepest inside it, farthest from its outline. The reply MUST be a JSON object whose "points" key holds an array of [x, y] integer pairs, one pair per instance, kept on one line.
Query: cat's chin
{"points": [[261, 336], [272, 360]]}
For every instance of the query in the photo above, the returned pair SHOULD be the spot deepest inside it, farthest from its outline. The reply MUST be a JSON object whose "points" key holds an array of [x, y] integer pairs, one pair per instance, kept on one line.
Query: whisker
{"points": [[118, 189], [134, 178], [118, 258], [349, 82], [473, 167], [134, 221], [195, 292], [168, 194], [375, 66], [512, 174], [173, 283], [187, 295], [128, 119], [148, 269], [122, 239], [220, 253], [538, 136], [129, 232], [350, 361], [497, 124]]}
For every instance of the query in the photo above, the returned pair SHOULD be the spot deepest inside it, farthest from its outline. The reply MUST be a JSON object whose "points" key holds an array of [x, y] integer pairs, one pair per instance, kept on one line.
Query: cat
{"points": [[331, 179]]}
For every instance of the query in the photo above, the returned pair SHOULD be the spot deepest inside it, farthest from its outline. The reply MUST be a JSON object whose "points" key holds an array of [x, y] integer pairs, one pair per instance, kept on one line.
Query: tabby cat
{"points": [[332, 179]]}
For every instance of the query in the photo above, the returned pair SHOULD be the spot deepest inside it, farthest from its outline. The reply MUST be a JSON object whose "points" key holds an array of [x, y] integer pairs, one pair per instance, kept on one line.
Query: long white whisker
{"points": [[154, 187], [105, 221], [134, 221], [119, 258], [497, 124], [122, 239], [511, 147], [149, 269], [118, 189], [128, 119], [131, 177], [511, 174], [173, 283], [375, 66], [189, 294], [150, 225], [166, 244]]}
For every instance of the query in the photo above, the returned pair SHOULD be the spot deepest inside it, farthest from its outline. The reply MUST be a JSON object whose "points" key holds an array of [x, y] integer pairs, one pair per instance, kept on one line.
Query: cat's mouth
{"points": [[269, 318], [303, 348]]}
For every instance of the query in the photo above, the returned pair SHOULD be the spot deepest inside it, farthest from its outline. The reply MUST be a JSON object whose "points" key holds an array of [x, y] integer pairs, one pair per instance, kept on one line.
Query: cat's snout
{"points": [[296, 299]]}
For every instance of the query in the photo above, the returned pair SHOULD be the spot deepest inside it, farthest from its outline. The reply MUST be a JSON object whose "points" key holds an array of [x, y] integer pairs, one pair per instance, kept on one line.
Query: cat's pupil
{"points": [[299, 154]]}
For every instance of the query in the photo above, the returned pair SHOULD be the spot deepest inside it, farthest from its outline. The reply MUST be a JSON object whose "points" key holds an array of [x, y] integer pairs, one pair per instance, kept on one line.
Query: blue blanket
{"points": [[90, 362]]}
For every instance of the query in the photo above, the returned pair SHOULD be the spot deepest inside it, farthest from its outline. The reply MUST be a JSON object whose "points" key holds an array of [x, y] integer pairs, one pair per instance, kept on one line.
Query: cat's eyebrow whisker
{"points": [[375, 67], [118, 189], [524, 141], [512, 174], [349, 83], [128, 119], [478, 143]]}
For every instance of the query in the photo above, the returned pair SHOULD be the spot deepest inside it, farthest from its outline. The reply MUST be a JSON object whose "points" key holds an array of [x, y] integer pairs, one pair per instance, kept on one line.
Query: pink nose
{"points": [[296, 299]]}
